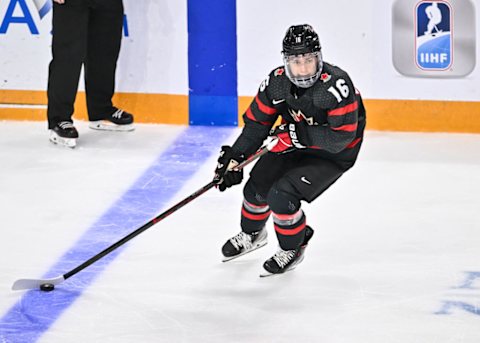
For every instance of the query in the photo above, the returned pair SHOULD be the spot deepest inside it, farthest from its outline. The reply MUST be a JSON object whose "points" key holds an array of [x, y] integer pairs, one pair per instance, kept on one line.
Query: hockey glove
{"points": [[289, 138], [225, 174]]}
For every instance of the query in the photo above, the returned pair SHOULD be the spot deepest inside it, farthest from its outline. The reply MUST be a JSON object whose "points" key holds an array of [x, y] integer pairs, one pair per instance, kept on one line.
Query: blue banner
{"points": [[212, 62]]}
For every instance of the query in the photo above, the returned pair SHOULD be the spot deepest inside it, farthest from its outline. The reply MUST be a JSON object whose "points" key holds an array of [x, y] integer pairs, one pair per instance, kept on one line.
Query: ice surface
{"points": [[395, 256]]}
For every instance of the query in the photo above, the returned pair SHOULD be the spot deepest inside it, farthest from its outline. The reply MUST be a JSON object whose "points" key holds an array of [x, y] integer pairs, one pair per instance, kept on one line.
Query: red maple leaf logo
{"points": [[325, 77]]}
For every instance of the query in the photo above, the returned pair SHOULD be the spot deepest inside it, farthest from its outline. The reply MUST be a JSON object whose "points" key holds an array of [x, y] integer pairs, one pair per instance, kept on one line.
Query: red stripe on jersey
{"points": [[251, 216], [348, 128], [250, 116], [354, 142], [343, 110], [264, 108], [290, 232]]}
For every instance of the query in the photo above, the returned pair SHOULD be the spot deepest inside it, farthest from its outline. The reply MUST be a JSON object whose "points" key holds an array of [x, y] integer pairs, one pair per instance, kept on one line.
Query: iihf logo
{"points": [[434, 35], [434, 39]]}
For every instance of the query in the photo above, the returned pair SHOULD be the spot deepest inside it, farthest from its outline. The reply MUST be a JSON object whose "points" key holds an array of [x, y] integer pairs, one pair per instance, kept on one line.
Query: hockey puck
{"points": [[47, 287]]}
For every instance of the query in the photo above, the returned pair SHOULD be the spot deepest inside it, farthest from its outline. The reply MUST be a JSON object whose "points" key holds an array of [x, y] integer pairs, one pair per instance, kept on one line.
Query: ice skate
{"points": [[117, 121], [286, 260], [65, 134], [243, 243]]}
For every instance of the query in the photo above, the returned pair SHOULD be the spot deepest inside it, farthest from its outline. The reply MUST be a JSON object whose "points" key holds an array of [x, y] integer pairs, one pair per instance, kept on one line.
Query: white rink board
{"points": [[355, 35], [153, 58]]}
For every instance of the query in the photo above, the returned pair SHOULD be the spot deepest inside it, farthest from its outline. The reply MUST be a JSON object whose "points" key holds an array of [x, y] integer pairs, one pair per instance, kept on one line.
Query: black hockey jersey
{"points": [[331, 112]]}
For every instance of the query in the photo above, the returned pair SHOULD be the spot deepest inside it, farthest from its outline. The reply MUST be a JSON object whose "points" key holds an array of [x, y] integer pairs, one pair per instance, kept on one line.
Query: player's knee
{"points": [[251, 194], [282, 201]]}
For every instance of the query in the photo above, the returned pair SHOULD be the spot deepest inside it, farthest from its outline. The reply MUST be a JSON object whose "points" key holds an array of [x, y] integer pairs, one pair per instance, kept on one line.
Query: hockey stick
{"points": [[49, 284]]}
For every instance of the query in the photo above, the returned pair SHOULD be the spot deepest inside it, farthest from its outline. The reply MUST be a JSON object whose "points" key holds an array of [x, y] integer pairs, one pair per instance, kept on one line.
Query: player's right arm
{"points": [[258, 118]]}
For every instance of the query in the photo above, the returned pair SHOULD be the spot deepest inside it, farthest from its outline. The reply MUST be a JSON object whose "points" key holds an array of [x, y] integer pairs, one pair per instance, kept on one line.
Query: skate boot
{"points": [[64, 133], [117, 121], [243, 243], [285, 260]]}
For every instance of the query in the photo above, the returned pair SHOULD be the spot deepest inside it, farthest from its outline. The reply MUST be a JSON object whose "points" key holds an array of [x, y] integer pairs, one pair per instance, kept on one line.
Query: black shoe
{"points": [[117, 121], [243, 243], [285, 260], [120, 117], [64, 133]]}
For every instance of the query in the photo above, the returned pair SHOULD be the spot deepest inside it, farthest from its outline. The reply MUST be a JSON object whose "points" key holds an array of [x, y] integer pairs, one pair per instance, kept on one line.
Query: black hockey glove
{"points": [[225, 174], [290, 137]]}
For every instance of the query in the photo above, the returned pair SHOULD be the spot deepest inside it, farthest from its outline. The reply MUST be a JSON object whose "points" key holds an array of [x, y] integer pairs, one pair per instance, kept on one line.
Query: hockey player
{"points": [[323, 119]]}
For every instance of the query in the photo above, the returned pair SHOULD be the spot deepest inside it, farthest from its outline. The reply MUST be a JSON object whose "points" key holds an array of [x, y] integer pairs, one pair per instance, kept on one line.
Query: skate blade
{"points": [[67, 142], [265, 273], [226, 259], [105, 125]]}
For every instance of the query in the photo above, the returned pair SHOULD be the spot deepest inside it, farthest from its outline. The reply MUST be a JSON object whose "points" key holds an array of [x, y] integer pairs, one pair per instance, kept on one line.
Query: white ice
{"points": [[395, 240]]}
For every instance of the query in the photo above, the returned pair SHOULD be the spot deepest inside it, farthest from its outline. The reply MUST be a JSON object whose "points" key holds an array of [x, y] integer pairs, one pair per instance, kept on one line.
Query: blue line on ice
{"points": [[36, 311]]}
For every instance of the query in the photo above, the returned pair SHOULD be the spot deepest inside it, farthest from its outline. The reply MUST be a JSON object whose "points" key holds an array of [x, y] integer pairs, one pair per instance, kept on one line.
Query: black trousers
{"points": [[89, 33]]}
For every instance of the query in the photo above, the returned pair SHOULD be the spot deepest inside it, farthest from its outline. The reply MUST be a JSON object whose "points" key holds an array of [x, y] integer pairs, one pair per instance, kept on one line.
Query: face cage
{"points": [[304, 81]]}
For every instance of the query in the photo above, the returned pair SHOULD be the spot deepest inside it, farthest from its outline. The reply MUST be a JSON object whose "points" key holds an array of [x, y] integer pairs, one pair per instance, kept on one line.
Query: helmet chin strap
{"points": [[306, 82]]}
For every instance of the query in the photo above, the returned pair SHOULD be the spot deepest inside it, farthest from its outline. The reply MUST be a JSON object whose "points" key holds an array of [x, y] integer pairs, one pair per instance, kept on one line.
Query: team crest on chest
{"points": [[298, 116]]}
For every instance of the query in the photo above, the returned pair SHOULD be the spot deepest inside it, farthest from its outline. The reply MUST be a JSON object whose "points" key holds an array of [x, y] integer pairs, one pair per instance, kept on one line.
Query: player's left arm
{"points": [[342, 118]]}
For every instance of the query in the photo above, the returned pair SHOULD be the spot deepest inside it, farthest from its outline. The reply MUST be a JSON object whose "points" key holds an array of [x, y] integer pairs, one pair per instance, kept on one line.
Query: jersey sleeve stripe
{"points": [[354, 143], [347, 128], [343, 110], [250, 116], [264, 108]]}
